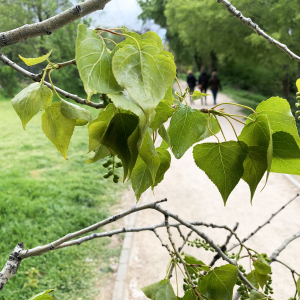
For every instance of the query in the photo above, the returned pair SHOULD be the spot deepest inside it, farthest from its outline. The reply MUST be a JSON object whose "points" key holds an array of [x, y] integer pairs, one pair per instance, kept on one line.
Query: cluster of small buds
{"points": [[201, 244], [298, 105], [268, 288], [110, 164], [243, 291]]}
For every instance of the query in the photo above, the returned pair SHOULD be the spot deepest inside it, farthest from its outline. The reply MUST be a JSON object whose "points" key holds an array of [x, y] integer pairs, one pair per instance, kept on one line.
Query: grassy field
{"points": [[43, 197]]}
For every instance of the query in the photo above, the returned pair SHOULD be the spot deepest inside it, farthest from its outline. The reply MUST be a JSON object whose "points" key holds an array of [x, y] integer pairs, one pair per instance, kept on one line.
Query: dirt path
{"points": [[195, 198]]}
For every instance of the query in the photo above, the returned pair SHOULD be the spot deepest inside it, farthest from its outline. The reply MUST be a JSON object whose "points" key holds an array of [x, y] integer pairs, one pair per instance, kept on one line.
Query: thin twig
{"points": [[259, 31], [38, 77], [292, 270], [264, 224]]}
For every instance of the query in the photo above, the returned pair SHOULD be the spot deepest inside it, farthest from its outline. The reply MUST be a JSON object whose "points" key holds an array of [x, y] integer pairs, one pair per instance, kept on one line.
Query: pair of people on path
{"points": [[203, 83]]}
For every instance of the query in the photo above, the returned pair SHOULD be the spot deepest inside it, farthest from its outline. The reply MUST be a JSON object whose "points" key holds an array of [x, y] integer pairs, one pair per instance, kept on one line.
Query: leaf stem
{"points": [[110, 41], [178, 85], [53, 86], [232, 127], [230, 103], [210, 129], [220, 127]]}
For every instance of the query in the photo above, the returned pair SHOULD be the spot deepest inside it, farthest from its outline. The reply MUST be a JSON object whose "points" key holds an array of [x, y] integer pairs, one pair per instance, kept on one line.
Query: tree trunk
{"points": [[198, 61]]}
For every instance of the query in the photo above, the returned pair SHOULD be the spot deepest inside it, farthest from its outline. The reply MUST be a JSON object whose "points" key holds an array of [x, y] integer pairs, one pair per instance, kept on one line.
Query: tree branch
{"points": [[283, 246], [48, 26], [264, 224], [38, 77], [238, 14], [11, 266]]}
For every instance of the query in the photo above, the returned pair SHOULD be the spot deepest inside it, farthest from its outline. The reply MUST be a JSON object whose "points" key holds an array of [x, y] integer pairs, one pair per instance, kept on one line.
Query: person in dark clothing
{"points": [[203, 84], [191, 81], [215, 84]]}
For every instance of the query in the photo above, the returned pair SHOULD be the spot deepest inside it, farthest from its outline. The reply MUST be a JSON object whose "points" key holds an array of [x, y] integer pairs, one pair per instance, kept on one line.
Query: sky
{"points": [[124, 13]]}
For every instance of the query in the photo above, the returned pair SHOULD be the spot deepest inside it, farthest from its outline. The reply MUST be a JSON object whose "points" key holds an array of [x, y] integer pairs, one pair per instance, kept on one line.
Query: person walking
{"points": [[215, 84], [203, 84], [191, 81]]}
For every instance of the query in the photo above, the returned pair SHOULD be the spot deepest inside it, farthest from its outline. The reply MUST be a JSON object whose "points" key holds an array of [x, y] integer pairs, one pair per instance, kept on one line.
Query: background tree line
{"points": [[214, 39]]}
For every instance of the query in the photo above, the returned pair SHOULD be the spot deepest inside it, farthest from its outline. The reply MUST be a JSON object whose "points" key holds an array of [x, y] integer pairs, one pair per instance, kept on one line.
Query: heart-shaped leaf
{"points": [[255, 295], [31, 100], [187, 127], [286, 154], [43, 296], [162, 290], [222, 163], [144, 73], [218, 283], [94, 63], [162, 113], [57, 128]]}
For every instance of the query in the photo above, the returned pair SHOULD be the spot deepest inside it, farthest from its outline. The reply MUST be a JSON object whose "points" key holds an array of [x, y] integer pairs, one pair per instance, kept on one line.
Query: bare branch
{"points": [[264, 224], [11, 266], [283, 246], [66, 63], [256, 28], [38, 77], [48, 26], [292, 270], [224, 246], [43, 249]]}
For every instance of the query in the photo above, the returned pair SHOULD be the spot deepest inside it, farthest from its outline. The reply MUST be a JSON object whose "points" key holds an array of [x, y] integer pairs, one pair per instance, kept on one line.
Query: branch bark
{"points": [[48, 26], [238, 14]]}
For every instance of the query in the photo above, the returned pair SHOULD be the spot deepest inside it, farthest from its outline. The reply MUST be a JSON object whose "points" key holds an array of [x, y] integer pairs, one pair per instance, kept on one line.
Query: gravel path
{"points": [[195, 198]]}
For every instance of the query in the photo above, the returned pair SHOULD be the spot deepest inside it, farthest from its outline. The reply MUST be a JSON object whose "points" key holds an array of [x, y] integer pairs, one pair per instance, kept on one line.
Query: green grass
{"points": [[43, 197]]}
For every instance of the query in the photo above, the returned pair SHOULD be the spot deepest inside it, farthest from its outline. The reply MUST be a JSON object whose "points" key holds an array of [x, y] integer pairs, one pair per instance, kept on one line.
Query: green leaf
{"points": [[194, 261], [298, 286], [187, 127], [165, 162], [298, 84], [153, 36], [124, 101], [252, 279], [162, 290], [257, 133], [189, 295], [262, 266], [255, 295], [141, 178], [255, 166], [43, 296], [35, 61], [31, 100], [75, 112], [120, 128], [222, 163], [149, 155], [261, 279], [165, 136], [100, 152], [198, 95], [57, 128], [99, 125], [280, 116], [169, 98], [162, 113], [218, 284], [94, 63], [286, 154], [144, 73]]}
